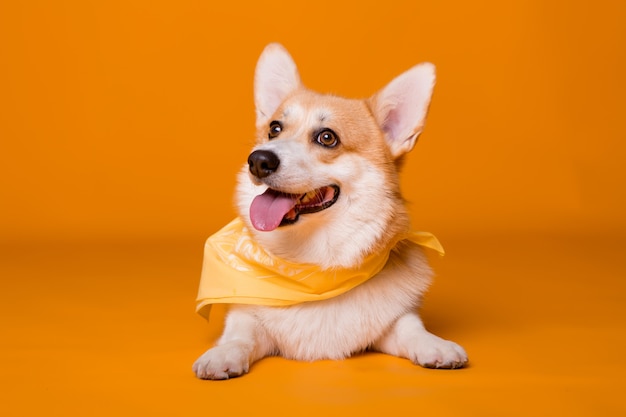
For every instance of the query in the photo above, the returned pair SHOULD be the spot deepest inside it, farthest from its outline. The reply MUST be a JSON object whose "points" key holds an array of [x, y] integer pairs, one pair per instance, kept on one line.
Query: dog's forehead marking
{"points": [[287, 111], [315, 116], [323, 115]]}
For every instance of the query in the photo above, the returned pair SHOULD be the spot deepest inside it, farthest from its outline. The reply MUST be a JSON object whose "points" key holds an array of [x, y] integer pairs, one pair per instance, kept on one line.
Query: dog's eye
{"points": [[275, 129], [327, 138]]}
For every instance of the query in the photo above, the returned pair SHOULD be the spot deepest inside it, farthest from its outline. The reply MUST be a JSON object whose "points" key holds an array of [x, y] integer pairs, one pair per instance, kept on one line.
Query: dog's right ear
{"points": [[400, 108], [275, 78]]}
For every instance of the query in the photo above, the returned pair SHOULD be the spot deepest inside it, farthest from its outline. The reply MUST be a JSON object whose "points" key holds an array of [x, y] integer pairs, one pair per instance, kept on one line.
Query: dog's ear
{"points": [[400, 108], [275, 78]]}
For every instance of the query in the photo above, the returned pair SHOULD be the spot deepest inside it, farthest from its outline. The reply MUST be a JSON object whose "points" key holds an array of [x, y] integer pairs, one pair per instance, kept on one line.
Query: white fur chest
{"points": [[341, 326]]}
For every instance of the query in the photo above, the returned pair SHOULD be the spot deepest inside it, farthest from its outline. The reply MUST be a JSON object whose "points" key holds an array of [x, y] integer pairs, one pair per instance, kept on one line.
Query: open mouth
{"points": [[275, 208]]}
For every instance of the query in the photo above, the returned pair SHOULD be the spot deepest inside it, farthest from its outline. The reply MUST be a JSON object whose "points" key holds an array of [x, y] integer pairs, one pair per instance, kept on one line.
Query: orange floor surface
{"points": [[110, 329]]}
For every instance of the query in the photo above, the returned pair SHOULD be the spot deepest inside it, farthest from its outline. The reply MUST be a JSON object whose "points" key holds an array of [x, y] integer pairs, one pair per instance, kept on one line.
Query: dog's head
{"points": [[321, 185]]}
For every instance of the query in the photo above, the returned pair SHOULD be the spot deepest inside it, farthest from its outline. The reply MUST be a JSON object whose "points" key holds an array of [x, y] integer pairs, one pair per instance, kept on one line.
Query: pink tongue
{"points": [[268, 209]]}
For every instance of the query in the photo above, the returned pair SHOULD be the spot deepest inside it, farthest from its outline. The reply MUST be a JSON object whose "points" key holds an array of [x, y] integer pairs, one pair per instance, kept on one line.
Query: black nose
{"points": [[263, 163]]}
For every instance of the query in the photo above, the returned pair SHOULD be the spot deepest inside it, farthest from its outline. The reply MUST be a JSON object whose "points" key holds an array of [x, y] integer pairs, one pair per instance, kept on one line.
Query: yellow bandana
{"points": [[237, 270]]}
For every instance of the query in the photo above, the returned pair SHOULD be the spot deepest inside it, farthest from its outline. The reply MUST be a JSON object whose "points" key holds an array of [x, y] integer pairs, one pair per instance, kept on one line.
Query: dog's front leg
{"points": [[243, 342], [408, 338]]}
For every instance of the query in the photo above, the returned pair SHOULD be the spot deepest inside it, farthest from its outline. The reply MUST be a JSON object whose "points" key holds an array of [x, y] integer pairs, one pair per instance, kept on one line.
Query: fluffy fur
{"points": [[374, 135]]}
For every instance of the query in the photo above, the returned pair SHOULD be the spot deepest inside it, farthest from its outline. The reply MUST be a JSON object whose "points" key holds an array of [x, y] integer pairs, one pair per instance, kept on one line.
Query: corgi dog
{"points": [[321, 188]]}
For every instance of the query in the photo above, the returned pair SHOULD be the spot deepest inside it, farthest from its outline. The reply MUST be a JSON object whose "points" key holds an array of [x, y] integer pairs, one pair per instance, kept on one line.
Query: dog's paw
{"points": [[435, 352], [222, 362]]}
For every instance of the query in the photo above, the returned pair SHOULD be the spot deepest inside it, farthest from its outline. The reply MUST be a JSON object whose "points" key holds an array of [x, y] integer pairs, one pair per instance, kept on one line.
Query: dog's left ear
{"points": [[276, 76], [400, 108]]}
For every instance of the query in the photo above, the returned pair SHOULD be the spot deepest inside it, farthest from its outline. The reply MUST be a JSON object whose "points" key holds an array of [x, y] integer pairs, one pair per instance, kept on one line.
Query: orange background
{"points": [[123, 124]]}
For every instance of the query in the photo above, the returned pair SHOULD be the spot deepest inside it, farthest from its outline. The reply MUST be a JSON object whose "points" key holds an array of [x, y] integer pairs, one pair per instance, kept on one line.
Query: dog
{"points": [[321, 189]]}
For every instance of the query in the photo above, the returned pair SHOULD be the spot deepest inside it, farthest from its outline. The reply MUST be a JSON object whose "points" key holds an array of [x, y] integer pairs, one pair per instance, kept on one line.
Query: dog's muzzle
{"points": [[276, 208]]}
